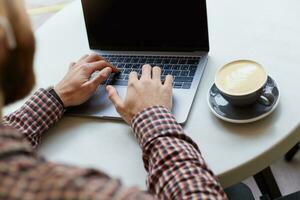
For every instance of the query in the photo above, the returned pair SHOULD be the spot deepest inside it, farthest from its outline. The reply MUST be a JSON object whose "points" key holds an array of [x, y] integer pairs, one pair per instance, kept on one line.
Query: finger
{"points": [[83, 57], [169, 81], [93, 58], [97, 66], [72, 64], [156, 73], [146, 72], [114, 97], [100, 77], [133, 76]]}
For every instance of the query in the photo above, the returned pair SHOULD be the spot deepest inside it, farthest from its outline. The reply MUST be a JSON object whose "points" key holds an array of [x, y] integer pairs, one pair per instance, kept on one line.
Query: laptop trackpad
{"points": [[98, 105]]}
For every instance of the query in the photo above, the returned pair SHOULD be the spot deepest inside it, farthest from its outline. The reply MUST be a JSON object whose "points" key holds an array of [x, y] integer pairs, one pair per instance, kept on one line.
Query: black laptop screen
{"points": [[146, 25]]}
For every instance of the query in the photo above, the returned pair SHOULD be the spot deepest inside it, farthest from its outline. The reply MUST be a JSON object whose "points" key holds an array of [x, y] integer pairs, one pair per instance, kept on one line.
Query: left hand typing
{"points": [[77, 86]]}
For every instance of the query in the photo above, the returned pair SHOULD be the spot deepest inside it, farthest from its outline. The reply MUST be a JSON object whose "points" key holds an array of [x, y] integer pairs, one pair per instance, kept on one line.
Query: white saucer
{"points": [[225, 111]]}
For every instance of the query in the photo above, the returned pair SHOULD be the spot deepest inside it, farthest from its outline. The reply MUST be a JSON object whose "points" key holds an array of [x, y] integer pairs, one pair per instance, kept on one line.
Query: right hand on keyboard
{"points": [[141, 94]]}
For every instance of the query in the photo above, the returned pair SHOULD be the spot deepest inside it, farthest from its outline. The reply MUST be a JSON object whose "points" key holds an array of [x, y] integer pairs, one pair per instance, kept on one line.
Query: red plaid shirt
{"points": [[173, 161]]}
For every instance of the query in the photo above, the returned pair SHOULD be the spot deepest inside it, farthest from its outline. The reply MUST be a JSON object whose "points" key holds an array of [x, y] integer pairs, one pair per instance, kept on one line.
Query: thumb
{"points": [[114, 97]]}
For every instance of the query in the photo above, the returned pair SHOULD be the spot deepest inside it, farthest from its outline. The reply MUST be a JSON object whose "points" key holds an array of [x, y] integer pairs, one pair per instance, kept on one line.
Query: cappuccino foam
{"points": [[241, 77]]}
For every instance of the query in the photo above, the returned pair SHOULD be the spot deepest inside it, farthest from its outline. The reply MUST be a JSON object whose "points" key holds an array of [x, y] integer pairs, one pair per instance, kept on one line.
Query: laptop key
{"points": [[166, 61], [127, 71], [174, 61], [158, 61], [155, 64], [167, 72], [176, 67], [134, 60], [112, 59], [136, 66], [183, 79], [192, 73], [193, 61], [182, 61], [186, 85], [142, 61], [175, 72], [184, 67], [121, 71], [121, 65], [177, 85], [120, 59], [168, 67], [128, 66], [184, 73], [193, 67], [150, 60]]}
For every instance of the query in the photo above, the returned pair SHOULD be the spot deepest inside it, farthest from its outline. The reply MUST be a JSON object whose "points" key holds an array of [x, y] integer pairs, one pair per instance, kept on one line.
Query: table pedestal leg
{"points": [[267, 183], [291, 153]]}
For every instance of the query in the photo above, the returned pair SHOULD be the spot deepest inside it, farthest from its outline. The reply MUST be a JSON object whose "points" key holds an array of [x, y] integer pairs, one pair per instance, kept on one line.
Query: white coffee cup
{"points": [[241, 82]]}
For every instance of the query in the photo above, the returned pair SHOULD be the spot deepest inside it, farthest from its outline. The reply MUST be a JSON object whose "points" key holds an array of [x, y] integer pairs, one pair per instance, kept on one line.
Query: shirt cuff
{"points": [[45, 97], [154, 122], [56, 96]]}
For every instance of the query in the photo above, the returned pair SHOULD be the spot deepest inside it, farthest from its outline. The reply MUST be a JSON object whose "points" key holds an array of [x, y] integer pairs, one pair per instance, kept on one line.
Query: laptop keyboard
{"points": [[183, 69]]}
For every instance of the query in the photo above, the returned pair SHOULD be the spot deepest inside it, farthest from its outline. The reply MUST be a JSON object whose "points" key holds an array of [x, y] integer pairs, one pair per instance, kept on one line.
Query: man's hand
{"points": [[78, 86], [146, 92]]}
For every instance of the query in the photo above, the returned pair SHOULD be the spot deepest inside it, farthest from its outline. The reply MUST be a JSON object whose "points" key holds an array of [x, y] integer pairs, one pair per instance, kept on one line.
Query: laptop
{"points": [[171, 34]]}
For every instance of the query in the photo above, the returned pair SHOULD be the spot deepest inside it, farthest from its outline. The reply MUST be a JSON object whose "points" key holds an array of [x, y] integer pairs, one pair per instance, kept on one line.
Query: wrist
{"points": [[57, 95], [66, 94]]}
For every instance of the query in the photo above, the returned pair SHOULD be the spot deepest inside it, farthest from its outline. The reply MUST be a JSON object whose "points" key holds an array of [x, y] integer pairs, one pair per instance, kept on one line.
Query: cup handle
{"points": [[266, 99]]}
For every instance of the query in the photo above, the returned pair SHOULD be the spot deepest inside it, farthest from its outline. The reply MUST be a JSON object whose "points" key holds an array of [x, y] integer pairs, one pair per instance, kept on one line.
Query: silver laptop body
{"points": [[99, 105]]}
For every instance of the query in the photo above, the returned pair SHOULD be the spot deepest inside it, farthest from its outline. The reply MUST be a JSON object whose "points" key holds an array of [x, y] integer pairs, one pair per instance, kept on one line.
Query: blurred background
{"points": [[41, 10]]}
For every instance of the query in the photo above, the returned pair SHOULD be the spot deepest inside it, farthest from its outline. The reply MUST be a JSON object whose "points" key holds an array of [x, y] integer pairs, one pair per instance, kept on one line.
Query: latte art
{"points": [[241, 77]]}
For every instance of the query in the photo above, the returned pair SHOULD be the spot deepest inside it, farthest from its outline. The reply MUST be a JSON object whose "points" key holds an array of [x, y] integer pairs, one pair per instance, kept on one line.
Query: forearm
{"points": [[23, 175], [175, 166], [36, 116]]}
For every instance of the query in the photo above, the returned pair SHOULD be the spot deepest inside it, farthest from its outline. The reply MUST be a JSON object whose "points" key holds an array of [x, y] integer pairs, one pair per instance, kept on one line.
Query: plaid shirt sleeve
{"points": [[24, 175], [36, 116], [176, 169]]}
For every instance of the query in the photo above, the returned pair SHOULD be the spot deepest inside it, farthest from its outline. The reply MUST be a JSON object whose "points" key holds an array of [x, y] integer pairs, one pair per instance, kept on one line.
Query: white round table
{"points": [[265, 31]]}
